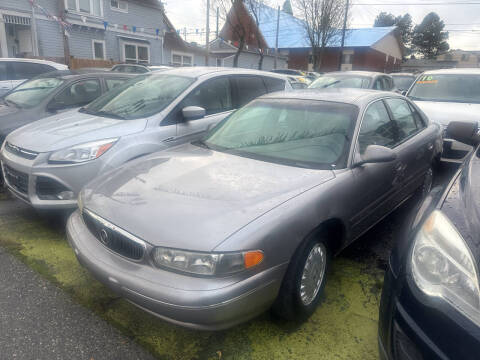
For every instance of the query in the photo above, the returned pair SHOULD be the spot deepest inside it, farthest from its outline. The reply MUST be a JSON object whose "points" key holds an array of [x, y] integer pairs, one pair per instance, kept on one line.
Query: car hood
{"points": [[194, 198], [444, 112], [71, 128], [9, 117]]}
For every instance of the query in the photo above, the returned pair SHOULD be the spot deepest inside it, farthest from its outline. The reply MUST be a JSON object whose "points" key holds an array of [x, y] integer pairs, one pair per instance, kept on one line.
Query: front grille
{"points": [[113, 238], [48, 189], [24, 153], [16, 179]]}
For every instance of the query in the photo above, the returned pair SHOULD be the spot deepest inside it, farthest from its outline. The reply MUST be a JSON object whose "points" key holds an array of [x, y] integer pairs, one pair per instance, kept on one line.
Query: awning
{"points": [[132, 38]]}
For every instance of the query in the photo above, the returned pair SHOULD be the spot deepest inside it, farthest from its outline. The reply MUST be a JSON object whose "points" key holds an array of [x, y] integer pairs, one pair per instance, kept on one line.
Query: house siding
{"points": [[50, 39]]}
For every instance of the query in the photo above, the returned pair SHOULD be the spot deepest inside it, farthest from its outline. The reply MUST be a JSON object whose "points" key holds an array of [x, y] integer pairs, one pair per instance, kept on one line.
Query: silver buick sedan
{"points": [[211, 233]]}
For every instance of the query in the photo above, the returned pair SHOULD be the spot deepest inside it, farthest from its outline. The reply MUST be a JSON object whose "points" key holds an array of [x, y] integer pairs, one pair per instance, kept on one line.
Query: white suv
{"points": [[14, 71]]}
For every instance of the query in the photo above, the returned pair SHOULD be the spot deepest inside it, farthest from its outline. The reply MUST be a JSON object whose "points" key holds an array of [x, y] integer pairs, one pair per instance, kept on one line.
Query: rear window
{"points": [[462, 88], [341, 81]]}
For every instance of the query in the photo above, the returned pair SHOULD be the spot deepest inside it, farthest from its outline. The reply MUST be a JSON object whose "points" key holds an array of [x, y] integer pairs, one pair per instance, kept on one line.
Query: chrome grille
{"points": [[113, 237], [16, 179], [26, 154]]}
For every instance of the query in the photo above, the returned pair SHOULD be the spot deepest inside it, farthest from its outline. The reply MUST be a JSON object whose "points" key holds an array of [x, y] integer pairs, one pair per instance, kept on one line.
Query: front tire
{"points": [[304, 283]]}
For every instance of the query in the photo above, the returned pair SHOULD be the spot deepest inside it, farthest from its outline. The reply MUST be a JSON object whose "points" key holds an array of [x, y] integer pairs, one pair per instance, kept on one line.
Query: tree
{"points": [[287, 7], [384, 19], [323, 21], [254, 7], [428, 38], [403, 23]]}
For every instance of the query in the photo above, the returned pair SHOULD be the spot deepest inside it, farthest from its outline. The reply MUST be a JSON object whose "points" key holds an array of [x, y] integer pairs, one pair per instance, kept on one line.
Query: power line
{"points": [[421, 4]]}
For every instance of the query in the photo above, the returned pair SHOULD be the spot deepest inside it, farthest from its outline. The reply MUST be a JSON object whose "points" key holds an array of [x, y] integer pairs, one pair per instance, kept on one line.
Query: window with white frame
{"points": [[119, 5], [136, 53], [90, 7], [98, 49], [182, 59]]}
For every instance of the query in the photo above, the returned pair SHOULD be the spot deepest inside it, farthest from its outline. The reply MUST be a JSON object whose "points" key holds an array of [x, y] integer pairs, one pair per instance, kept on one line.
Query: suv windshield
{"points": [[403, 82], [463, 88], [303, 133], [143, 96], [33, 92], [341, 81]]}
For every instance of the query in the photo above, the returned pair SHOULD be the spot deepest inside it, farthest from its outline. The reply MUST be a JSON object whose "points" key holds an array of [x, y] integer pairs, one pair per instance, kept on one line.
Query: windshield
{"points": [[33, 92], [462, 88], [143, 96], [341, 81], [403, 82], [304, 133]]}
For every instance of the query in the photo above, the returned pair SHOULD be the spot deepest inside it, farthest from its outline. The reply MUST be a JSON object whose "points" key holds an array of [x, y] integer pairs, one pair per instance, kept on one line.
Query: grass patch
{"points": [[344, 327]]}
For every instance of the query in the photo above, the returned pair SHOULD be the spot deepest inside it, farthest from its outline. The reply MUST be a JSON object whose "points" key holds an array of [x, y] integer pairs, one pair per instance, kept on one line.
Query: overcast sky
{"points": [[460, 19]]}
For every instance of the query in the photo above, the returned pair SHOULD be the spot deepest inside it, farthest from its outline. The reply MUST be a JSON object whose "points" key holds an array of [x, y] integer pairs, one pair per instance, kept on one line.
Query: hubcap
{"points": [[313, 273]]}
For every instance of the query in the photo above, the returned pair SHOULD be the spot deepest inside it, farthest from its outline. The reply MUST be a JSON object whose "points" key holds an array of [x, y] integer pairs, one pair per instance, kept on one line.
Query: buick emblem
{"points": [[104, 237]]}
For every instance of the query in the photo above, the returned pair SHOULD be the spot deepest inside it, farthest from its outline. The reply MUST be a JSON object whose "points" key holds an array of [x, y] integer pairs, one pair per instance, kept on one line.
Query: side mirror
{"points": [[193, 112], [465, 132], [376, 154]]}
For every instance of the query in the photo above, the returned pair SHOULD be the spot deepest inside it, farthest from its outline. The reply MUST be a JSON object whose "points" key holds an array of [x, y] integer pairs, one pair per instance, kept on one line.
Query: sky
{"points": [[460, 19]]}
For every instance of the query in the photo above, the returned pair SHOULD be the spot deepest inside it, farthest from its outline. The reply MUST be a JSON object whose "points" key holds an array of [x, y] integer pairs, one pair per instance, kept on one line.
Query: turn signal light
{"points": [[252, 258]]}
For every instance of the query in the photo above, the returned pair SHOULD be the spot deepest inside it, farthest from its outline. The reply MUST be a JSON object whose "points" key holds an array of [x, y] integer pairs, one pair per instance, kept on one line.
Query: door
{"points": [[5, 80], [377, 184], [415, 144], [215, 96]]}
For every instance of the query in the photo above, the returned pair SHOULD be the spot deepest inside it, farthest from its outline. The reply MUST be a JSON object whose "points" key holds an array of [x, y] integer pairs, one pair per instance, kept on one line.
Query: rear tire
{"points": [[303, 285]]}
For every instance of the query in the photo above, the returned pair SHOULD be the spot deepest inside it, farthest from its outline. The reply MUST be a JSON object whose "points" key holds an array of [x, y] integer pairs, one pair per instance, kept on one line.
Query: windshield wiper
{"points": [[333, 83], [10, 102], [108, 114]]}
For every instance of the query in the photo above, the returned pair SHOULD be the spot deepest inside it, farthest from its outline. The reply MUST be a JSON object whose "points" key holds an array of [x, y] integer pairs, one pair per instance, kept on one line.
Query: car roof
{"points": [[75, 74], [37, 61], [403, 74], [357, 73], [462, 71], [198, 71], [357, 97]]}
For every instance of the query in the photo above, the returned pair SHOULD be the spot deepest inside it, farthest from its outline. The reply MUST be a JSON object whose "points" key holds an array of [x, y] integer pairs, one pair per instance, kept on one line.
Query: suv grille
{"points": [[16, 179], [112, 237], [26, 154]]}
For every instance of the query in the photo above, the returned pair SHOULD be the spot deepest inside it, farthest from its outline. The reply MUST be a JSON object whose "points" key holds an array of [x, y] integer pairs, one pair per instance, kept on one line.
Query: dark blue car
{"points": [[430, 307]]}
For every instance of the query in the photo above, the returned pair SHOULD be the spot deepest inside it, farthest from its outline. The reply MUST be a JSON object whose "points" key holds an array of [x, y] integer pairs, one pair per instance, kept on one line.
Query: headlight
{"points": [[82, 153], [206, 263], [443, 266]]}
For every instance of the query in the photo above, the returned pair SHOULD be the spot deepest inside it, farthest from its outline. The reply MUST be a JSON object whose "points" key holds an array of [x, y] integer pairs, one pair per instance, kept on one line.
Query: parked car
{"points": [[138, 69], [430, 306], [354, 79], [446, 95], [14, 71], [52, 159], [52, 93], [403, 81], [298, 75], [250, 216]]}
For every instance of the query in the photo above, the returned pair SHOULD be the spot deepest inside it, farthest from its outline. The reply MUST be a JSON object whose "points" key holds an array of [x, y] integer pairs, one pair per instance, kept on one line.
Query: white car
{"points": [[447, 95], [14, 71]]}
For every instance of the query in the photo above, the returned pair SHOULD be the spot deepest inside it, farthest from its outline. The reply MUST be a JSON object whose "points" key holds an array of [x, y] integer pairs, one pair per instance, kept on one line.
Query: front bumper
{"points": [[69, 178], [416, 327], [199, 303]]}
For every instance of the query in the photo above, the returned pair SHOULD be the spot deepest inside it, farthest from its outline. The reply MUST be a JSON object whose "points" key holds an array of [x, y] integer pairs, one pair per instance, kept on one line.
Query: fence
{"points": [[76, 63]]}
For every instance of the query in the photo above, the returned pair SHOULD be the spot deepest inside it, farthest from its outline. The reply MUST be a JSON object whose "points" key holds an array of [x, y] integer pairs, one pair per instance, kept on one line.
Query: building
{"points": [[375, 49], [135, 31], [462, 58]]}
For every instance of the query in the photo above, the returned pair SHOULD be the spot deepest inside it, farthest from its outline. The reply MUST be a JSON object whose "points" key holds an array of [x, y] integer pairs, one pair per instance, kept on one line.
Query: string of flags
{"points": [[49, 15]]}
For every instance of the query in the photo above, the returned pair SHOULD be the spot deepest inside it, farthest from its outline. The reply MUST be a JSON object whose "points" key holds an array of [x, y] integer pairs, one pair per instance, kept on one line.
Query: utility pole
{"points": [[185, 33], [218, 16], [276, 39], [207, 44], [343, 35], [34, 32], [66, 45]]}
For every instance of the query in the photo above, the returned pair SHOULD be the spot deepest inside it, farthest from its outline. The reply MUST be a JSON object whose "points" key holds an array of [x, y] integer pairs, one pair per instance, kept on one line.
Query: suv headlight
{"points": [[443, 266], [82, 153], [201, 263]]}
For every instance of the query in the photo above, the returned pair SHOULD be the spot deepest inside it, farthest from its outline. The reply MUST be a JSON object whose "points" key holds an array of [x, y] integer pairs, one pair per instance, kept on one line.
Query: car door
{"points": [[215, 96], [415, 147], [5, 79], [377, 184]]}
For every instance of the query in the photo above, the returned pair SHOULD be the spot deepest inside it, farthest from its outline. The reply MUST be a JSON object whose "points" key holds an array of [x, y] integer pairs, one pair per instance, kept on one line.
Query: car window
{"points": [[33, 92], [26, 70], [215, 96], [341, 81], [247, 89], [419, 120], [387, 84], [111, 83], [377, 128], [403, 116], [273, 84], [3, 71], [378, 85], [78, 94]]}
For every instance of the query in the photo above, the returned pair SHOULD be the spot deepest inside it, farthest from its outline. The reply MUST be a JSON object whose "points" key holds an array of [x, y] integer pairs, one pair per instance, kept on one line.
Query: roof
{"points": [[38, 61], [355, 73], [292, 33], [74, 74], [463, 71], [198, 71], [341, 95]]}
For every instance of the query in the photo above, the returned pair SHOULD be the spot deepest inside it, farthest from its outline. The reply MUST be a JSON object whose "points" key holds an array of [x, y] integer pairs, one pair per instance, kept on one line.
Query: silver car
{"points": [[212, 233], [355, 80], [46, 163]]}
